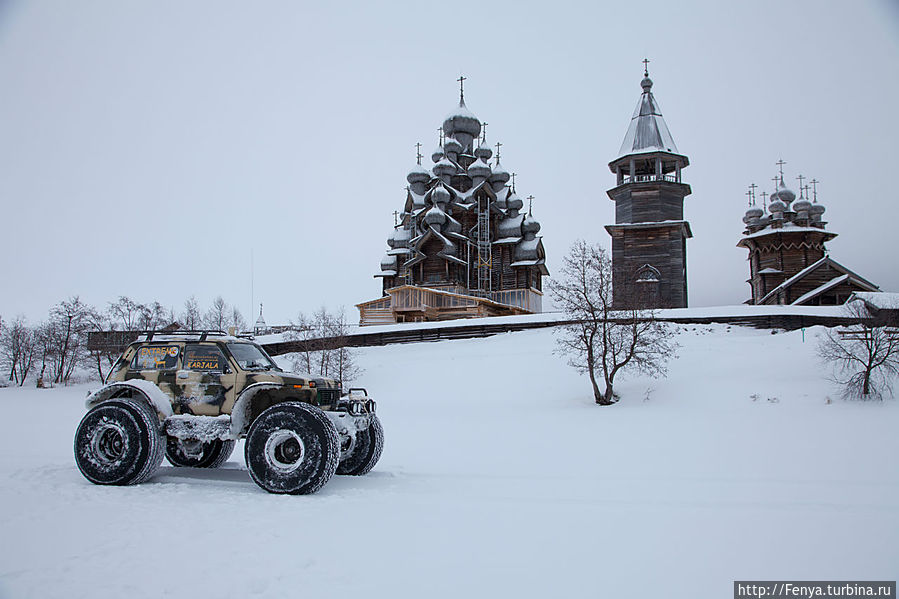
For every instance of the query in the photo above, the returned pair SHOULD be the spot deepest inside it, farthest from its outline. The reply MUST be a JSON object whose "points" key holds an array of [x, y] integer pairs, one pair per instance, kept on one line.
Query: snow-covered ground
{"points": [[500, 478]]}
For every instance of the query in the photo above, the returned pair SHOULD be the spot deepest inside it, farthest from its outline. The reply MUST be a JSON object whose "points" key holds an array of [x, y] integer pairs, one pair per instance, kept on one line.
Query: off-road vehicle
{"points": [[191, 395]]}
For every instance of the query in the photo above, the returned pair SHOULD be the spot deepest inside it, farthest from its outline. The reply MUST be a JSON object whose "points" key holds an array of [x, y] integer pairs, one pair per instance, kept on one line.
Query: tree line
{"points": [[54, 349]]}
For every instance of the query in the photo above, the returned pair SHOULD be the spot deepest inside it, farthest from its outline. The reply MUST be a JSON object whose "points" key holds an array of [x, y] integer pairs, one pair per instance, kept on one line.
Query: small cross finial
{"points": [[418, 152], [484, 132], [749, 194], [752, 188], [776, 180], [440, 135], [498, 146], [801, 178], [814, 183], [765, 200], [530, 205], [461, 81], [780, 164], [646, 67], [395, 215], [513, 181], [260, 308]]}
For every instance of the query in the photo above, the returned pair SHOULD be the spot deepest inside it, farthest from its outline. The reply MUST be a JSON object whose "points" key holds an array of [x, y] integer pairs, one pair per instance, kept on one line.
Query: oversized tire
{"points": [[366, 451], [292, 448], [196, 454], [119, 442]]}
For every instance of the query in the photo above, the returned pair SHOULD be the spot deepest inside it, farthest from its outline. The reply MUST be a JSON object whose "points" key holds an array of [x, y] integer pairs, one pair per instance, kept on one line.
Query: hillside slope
{"points": [[499, 478]]}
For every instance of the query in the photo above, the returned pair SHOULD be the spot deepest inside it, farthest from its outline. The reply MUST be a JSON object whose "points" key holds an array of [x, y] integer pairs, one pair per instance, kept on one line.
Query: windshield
{"points": [[251, 357]]}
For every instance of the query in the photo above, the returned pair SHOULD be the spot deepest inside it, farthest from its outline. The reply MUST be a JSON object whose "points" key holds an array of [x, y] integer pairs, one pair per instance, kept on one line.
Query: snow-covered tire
{"points": [[119, 442], [292, 448], [366, 451], [195, 454]]}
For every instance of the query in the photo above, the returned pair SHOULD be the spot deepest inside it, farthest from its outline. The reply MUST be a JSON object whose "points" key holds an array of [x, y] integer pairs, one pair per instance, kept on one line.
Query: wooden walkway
{"points": [[471, 328]]}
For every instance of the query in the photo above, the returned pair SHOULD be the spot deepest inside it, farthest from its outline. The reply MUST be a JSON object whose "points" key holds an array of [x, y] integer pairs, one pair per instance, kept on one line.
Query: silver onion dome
{"points": [[483, 152], [418, 174]]}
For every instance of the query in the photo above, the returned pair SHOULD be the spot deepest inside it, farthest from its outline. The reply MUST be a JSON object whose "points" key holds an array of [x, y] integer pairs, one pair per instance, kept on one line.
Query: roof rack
{"points": [[203, 333]]}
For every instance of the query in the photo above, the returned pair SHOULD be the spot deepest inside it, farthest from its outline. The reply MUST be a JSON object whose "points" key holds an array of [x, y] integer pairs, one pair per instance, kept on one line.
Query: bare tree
{"points": [[302, 330], [325, 353], [103, 357], [864, 357], [236, 320], [190, 318], [343, 358], [17, 349], [69, 323], [125, 312], [153, 316], [216, 317], [600, 338]]}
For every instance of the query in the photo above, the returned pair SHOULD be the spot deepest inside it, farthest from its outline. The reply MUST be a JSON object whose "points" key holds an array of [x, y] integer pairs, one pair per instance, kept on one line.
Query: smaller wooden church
{"points": [[463, 246], [788, 263]]}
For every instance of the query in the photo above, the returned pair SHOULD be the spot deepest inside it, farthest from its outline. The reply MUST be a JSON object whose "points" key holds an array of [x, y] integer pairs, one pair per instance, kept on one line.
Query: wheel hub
{"points": [[284, 450], [108, 442]]}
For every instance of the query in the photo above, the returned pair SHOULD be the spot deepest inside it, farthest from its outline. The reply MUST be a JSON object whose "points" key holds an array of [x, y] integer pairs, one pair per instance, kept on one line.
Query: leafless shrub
{"points": [[864, 357], [600, 338]]}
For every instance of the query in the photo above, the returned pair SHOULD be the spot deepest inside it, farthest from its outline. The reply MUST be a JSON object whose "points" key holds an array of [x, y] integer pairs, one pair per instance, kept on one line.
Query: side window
{"points": [[204, 358], [155, 357]]}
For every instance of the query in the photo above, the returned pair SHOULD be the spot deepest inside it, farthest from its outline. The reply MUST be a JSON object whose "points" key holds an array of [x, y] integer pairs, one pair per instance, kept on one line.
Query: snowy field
{"points": [[499, 478]]}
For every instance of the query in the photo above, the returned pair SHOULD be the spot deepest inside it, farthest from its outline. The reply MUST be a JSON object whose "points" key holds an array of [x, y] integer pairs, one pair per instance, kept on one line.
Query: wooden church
{"points": [[462, 245], [649, 237], [788, 263]]}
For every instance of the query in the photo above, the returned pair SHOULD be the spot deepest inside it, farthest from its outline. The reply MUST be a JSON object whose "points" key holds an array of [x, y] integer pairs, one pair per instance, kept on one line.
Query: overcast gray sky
{"points": [[147, 148]]}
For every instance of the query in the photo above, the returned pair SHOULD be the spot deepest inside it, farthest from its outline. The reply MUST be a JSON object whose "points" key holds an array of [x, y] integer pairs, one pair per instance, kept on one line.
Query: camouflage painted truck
{"points": [[191, 396]]}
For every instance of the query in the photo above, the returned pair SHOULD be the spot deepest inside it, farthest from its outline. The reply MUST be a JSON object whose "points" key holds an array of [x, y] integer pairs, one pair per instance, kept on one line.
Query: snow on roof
{"points": [[878, 299], [820, 289], [857, 279], [788, 228], [770, 271], [507, 240]]}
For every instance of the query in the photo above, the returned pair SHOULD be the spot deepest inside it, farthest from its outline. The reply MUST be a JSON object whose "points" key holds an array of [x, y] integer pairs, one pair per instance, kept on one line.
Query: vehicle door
{"points": [[205, 381], [157, 363]]}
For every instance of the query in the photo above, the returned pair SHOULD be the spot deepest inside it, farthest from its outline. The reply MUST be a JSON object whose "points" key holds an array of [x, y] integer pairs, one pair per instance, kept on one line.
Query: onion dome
{"points": [[451, 146], [816, 211], [500, 175], [479, 168], [418, 174], [646, 84], [514, 202], [444, 167], [388, 262], [753, 215], [440, 195], [777, 206], [802, 205], [530, 226], [437, 155], [784, 194], [435, 216], [483, 152], [463, 121]]}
